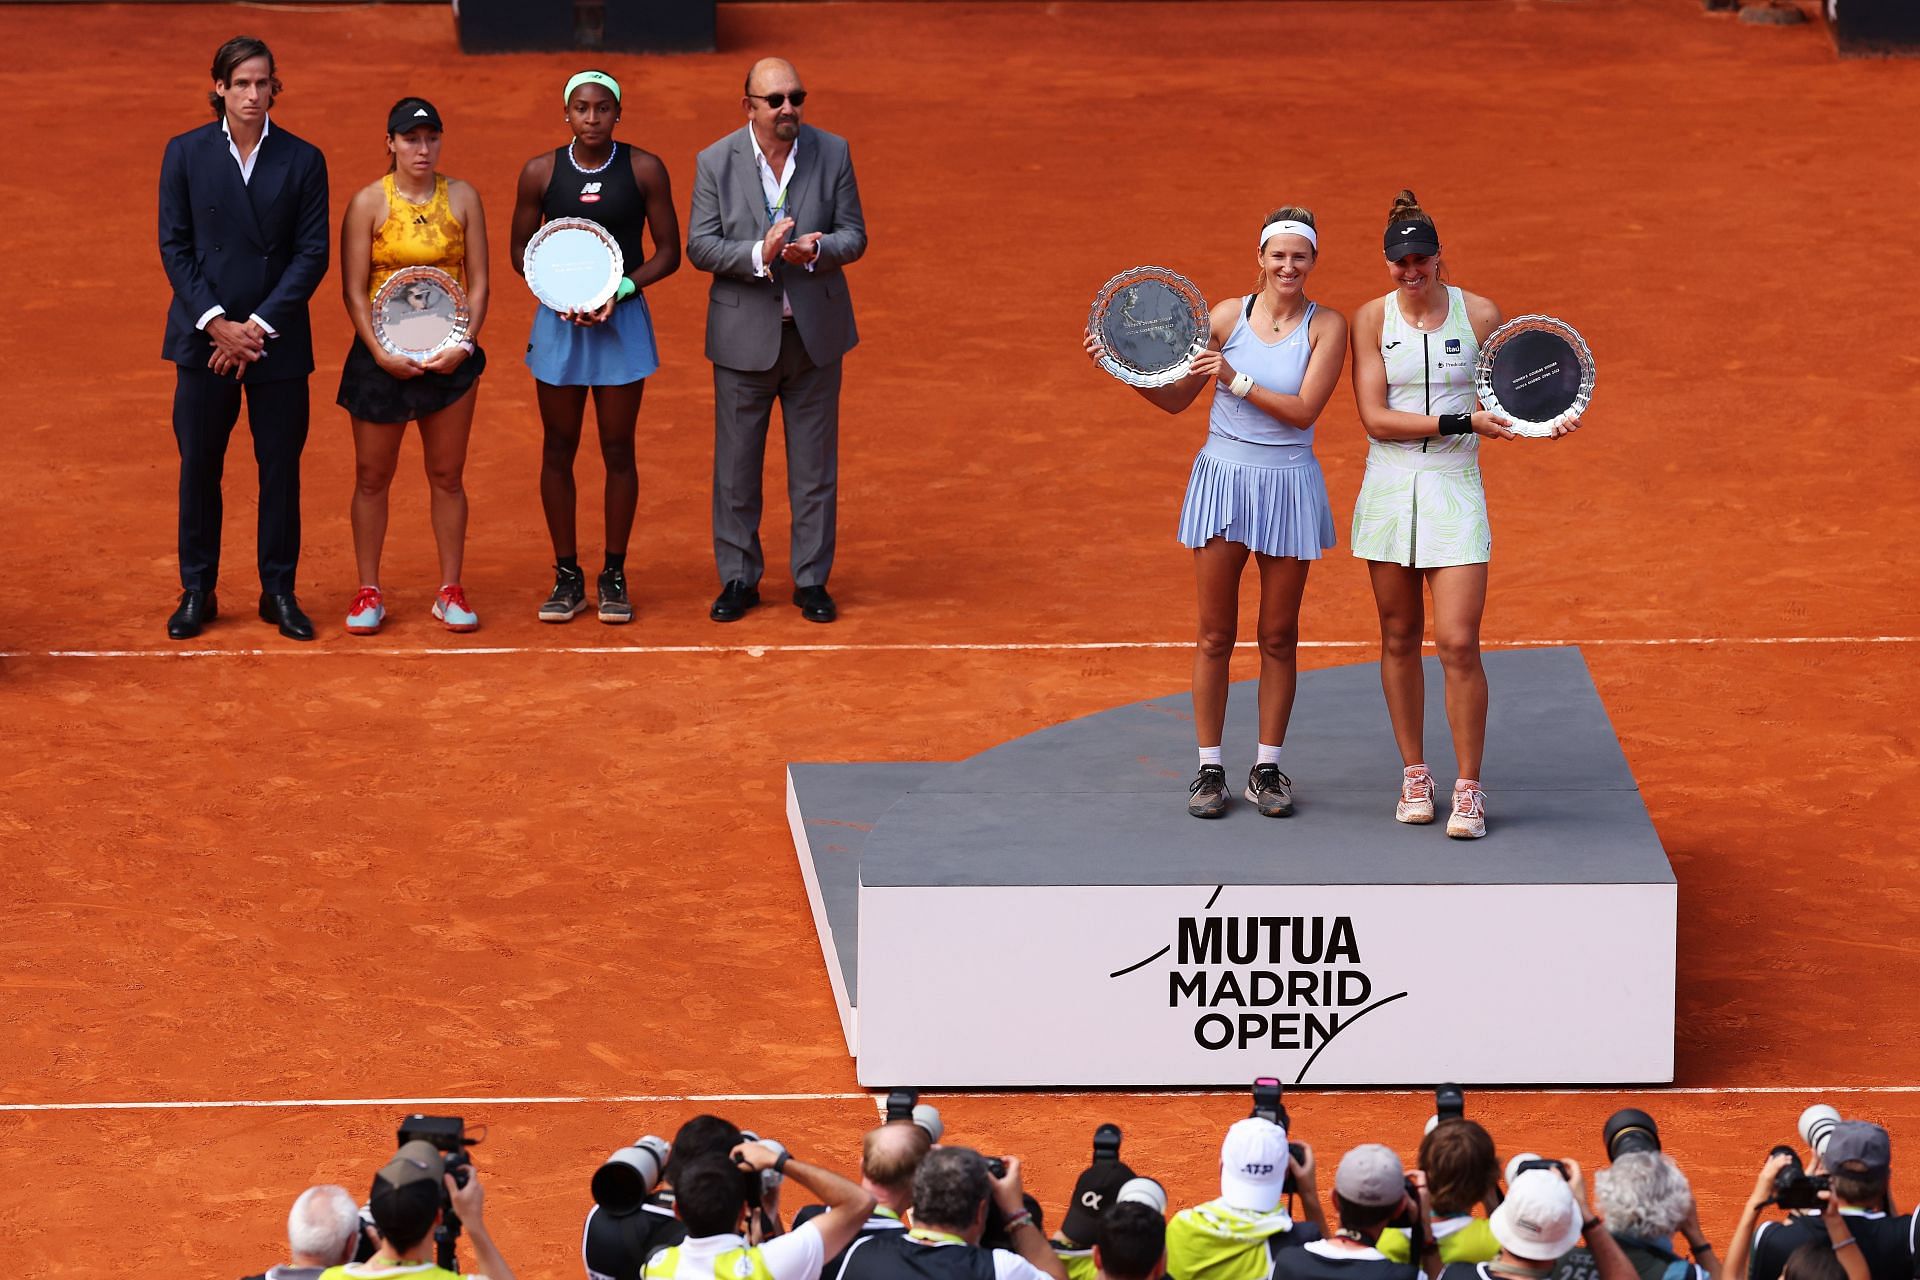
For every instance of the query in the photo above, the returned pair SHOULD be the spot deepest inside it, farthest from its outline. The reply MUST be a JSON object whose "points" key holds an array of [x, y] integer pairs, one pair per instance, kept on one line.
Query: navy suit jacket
{"points": [[254, 249]]}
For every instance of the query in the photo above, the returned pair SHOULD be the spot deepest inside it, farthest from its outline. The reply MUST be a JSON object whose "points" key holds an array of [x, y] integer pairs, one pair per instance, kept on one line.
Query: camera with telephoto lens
{"points": [[1793, 1187], [1267, 1106], [630, 1175], [1535, 1162], [767, 1181], [1449, 1102], [905, 1104], [1106, 1143], [448, 1134], [1629, 1130], [1816, 1126]]}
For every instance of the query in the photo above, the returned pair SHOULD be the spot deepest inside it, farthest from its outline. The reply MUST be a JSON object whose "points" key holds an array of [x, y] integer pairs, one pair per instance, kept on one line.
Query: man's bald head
{"points": [[892, 1155], [769, 70]]}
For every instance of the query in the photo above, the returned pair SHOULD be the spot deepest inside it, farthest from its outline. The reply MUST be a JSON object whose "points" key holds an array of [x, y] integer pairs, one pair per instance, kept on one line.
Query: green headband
{"points": [[600, 78]]}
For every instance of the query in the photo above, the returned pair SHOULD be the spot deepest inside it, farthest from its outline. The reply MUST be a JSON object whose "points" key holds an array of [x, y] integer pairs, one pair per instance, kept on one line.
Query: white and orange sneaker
{"points": [[1469, 819], [1416, 795]]}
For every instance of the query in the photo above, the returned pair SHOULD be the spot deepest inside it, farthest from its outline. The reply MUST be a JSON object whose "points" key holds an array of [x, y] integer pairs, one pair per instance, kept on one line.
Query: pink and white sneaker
{"points": [[1416, 795], [1469, 819]]}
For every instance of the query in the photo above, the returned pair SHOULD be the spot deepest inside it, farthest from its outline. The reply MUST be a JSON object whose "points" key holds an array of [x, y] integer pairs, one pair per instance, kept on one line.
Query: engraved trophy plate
{"points": [[1536, 372], [1152, 323], [420, 312], [573, 264]]}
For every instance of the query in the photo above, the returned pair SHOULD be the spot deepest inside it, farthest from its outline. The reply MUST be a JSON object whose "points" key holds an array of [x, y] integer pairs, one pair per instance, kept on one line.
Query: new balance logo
{"points": [[590, 193]]}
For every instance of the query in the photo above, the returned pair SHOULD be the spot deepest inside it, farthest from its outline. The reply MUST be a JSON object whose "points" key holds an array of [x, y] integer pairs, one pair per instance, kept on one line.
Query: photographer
{"points": [[1371, 1191], [712, 1197], [1852, 1222], [951, 1192], [1462, 1170], [408, 1196], [1131, 1242], [1539, 1222], [617, 1242], [889, 1158], [323, 1230], [1241, 1233], [1646, 1200], [1094, 1193]]}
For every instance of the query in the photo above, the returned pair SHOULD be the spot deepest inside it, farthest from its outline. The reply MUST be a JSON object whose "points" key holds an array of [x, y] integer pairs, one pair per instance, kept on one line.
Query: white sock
{"points": [[1268, 755], [1209, 755], [1413, 770], [1461, 784]]}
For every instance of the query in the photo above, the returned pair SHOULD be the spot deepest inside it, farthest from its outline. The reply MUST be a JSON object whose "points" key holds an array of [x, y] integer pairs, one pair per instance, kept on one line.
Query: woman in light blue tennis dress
{"points": [[1422, 514], [1256, 490]]}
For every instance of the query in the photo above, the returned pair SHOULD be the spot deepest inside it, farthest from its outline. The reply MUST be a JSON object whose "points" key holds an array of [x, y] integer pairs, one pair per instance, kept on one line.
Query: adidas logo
{"points": [[420, 113]]}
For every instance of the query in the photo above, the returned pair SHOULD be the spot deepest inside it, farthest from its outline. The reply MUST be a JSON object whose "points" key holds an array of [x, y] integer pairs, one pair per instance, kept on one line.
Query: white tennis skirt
{"points": [[1422, 510]]}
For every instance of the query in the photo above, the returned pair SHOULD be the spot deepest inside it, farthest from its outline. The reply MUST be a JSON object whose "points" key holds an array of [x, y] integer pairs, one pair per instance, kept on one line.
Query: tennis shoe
{"points": [[1416, 796], [1208, 796], [367, 613], [450, 606], [1270, 790], [569, 598], [1469, 819], [615, 608]]}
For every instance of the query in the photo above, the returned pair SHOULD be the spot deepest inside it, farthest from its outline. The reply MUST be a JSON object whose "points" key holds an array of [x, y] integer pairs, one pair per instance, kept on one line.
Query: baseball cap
{"points": [[1253, 1165], [1858, 1142], [1370, 1175], [413, 113], [407, 1190], [1539, 1219], [1098, 1189], [1411, 235]]}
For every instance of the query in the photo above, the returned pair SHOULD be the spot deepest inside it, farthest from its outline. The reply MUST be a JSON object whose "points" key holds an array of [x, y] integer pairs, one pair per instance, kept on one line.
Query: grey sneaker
{"points": [[1207, 797], [615, 608], [569, 598], [1270, 790]]}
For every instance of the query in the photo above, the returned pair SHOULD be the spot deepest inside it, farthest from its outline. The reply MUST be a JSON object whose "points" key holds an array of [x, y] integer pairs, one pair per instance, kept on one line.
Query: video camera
{"points": [[448, 1134]]}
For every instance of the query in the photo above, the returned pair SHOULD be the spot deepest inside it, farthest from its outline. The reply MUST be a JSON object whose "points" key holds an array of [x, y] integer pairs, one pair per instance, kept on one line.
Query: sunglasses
{"points": [[775, 101]]}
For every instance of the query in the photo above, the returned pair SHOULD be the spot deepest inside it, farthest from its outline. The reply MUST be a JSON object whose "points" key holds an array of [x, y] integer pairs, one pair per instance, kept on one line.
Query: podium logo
{"points": [[1267, 982]]}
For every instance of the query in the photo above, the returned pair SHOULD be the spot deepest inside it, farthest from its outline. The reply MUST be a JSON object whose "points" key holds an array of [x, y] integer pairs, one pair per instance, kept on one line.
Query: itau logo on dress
{"points": [[590, 194]]}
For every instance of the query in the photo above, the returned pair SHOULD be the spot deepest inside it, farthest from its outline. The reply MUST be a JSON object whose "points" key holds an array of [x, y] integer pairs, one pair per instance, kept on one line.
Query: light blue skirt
{"points": [[1270, 497], [564, 354]]}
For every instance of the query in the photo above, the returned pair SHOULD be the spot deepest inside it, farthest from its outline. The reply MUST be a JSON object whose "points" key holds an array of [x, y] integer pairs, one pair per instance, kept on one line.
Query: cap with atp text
{"points": [[1253, 1165]]}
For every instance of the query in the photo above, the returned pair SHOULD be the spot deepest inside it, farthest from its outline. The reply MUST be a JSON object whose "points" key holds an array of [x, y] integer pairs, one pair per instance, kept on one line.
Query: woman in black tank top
{"points": [[608, 352]]}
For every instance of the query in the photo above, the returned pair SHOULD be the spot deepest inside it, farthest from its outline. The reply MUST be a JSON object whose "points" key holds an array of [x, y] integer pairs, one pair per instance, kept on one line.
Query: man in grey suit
{"points": [[776, 216]]}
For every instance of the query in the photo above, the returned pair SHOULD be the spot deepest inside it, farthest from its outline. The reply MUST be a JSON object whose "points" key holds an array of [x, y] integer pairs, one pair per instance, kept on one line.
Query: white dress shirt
{"points": [[246, 179], [774, 188]]}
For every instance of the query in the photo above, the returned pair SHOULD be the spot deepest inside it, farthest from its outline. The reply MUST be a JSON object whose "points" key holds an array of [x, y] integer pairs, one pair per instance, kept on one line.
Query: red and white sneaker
{"points": [[1416, 795], [1469, 820], [367, 613], [450, 606]]}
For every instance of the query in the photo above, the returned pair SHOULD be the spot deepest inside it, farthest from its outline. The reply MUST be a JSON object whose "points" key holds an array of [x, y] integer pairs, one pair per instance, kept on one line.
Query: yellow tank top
{"points": [[418, 235]]}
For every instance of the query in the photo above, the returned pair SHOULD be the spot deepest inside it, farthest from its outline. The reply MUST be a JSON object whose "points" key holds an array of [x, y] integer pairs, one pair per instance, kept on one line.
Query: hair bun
{"points": [[1406, 207]]}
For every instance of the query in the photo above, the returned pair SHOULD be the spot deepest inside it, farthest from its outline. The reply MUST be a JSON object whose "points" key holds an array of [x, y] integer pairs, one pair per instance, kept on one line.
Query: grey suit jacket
{"points": [[730, 214]]}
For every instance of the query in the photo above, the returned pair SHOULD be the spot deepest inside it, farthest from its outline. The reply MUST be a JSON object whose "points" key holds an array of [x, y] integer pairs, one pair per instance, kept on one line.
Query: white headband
{"points": [[1288, 227]]}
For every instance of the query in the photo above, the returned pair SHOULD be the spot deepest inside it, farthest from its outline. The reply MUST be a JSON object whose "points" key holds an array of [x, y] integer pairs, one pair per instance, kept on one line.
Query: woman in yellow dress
{"points": [[414, 216]]}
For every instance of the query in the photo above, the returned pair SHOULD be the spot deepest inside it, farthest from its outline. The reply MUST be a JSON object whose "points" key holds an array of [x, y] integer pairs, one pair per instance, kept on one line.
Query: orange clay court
{"points": [[377, 871]]}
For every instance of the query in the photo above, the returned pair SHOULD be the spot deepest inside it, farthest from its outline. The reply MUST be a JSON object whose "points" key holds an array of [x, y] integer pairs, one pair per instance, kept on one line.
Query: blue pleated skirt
{"points": [[564, 354], [1270, 497]]}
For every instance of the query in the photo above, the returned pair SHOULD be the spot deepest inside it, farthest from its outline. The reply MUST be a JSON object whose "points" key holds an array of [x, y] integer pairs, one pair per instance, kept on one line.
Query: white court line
{"points": [[567, 1100], [1037, 646]]}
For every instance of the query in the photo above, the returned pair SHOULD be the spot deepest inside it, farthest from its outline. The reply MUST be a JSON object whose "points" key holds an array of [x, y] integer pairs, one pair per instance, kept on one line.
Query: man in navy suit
{"points": [[243, 237]]}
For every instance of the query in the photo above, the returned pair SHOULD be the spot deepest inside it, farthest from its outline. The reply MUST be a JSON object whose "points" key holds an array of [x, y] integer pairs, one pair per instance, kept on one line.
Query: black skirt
{"points": [[371, 394]]}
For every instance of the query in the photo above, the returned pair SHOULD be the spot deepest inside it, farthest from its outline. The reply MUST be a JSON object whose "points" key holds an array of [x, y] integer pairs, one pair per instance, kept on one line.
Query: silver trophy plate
{"points": [[573, 264], [420, 312], [1536, 372], [1152, 322]]}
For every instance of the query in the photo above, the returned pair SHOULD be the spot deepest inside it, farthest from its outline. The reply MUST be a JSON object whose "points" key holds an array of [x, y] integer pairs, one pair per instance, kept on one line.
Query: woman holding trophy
{"points": [[413, 269], [607, 350], [1421, 517], [1256, 490]]}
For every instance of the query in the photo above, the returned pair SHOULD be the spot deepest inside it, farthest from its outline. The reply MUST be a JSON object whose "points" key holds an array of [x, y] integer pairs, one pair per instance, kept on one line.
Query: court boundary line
{"points": [[621, 1099], [1030, 646]]}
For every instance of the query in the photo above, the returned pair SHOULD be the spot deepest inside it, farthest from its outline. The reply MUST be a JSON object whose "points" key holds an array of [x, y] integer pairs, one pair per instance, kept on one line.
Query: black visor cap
{"points": [[1411, 237], [413, 113]]}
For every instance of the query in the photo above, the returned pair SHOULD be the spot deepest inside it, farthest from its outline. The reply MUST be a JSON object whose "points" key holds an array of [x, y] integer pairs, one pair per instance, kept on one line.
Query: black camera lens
{"points": [[900, 1104], [1449, 1102], [996, 1166], [1106, 1143], [1629, 1130]]}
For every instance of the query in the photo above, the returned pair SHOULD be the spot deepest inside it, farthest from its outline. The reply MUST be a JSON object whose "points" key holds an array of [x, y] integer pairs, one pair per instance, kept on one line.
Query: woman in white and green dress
{"points": [[1421, 517]]}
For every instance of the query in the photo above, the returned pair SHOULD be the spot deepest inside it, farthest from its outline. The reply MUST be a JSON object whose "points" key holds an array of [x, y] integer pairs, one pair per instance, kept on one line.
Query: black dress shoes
{"points": [[197, 609], [285, 610], [815, 604], [732, 603]]}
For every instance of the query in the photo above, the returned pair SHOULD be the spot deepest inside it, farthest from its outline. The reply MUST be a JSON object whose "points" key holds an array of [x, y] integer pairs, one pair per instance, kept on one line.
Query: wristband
{"points": [[1594, 1223], [1019, 1220], [1241, 385], [780, 1161], [466, 345], [1838, 1245], [1456, 424], [626, 290]]}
